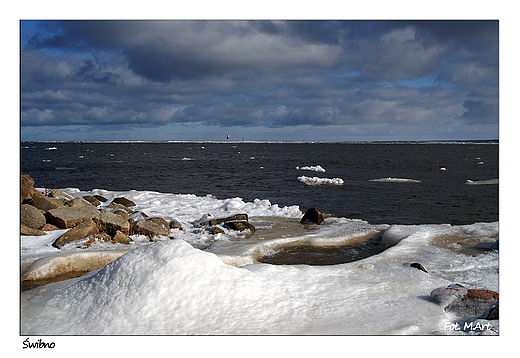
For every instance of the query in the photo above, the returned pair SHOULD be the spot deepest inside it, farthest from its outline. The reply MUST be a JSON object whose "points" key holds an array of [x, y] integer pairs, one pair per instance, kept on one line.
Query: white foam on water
{"points": [[320, 181]]}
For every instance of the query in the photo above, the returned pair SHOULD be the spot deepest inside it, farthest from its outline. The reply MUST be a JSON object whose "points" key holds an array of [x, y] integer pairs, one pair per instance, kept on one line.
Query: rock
{"points": [[418, 266], [49, 227], [58, 194], [122, 213], [66, 217], [31, 216], [45, 203], [77, 202], [85, 228], [491, 314], [29, 231], [175, 225], [160, 221], [120, 206], [464, 302], [239, 226], [92, 200], [111, 223], [121, 238], [312, 215], [123, 201], [26, 187], [216, 230], [100, 198], [149, 228], [212, 222]]}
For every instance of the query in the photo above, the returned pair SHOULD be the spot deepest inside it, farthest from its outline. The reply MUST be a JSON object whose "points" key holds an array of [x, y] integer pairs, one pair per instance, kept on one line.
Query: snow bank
{"points": [[320, 181]]}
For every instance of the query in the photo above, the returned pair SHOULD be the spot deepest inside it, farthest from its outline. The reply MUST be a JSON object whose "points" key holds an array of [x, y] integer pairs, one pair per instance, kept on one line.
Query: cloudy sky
{"points": [[264, 80]]}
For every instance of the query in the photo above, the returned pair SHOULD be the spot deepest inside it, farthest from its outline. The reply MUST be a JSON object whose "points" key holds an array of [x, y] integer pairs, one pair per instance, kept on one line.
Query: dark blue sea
{"points": [[390, 183]]}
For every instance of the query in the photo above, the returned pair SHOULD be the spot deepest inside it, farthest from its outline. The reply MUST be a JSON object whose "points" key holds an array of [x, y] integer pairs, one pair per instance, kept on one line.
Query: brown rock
{"points": [[160, 221], [239, 226], [86, 228], [124, 201], [464, 302], [216, 230], [149, 228], [120, 206], [31, 216], [100, 198], [122, 213], [66, 217], [92, 200], [45, 203], [58, 194], [77, 202], [480, 295], [175, 225], [212, 222], [111, 223], [49, 227], [29, 231], [121, 238], [26, 187], [312, 215]]}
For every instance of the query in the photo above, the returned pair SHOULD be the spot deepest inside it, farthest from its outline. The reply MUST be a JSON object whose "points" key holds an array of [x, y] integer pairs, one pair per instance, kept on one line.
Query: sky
{"points": [[288, 80]]}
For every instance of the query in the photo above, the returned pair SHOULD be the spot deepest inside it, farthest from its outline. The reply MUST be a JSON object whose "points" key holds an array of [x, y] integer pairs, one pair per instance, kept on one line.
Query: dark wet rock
{"points": [[29, 231], [77, 202], [124, 201], [312, 215], [491, 314], [149, 228], [111, 223], [84, 229], [66, 217], [100, 198], [239, 226], [216, 230], [27, 189], [213, 222], [418, 266], [175, 225], [464, 302], [45, 203], [92, 200], [31, 217]]}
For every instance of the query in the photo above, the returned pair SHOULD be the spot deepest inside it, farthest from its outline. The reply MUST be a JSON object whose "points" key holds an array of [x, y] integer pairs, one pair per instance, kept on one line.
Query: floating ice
{"points": [[396, 180], [316, 168], [482, 182], [320, 181]]}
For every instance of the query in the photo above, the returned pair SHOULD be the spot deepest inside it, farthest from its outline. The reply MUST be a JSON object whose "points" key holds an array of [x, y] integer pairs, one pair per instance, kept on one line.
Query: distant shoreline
{"points": [[477, 141]]}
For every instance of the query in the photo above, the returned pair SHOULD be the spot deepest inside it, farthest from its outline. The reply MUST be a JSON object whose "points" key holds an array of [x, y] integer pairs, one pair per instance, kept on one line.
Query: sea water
{"points": [[193, 282]]}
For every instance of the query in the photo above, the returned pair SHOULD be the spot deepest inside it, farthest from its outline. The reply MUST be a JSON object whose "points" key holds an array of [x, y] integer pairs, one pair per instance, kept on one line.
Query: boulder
{"points": [[149, 228], [45, 203], [31, 216], [100, 198], [123, 201], [464, 302], [27, 189], [66, 217], [121, 238], [491, 314], [49, 227], [175, 225], [58, 194], [82, 230], [92, 200], [111, 223], [160, 221], [120, 206], [312, 215], [77, 202], [122, 213], [239, 226], [212, 222], [29, 231]]}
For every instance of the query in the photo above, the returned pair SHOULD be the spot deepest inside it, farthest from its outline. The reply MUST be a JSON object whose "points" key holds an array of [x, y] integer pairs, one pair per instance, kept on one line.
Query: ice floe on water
{"points": [[395, 180], [320, 181], [317, 168]]}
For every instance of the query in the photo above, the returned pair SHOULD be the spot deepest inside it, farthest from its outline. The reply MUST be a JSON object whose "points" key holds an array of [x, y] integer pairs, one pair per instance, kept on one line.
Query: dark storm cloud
{"points": [[260, 73]]}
